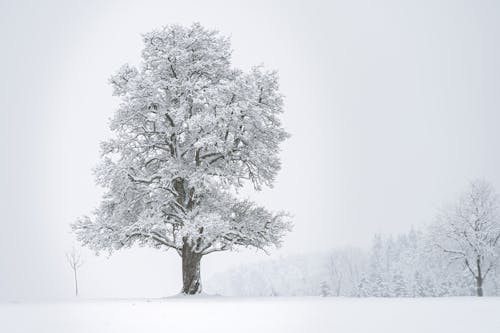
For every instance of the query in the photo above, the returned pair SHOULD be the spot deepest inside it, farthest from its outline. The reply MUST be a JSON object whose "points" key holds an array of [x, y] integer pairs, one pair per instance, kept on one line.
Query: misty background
{"points": [[392, 107]]}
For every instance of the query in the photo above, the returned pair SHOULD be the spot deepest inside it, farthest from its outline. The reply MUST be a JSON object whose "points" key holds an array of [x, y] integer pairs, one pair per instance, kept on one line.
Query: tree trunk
{"points": [[479, 278], [191, 281], [479, 284]]}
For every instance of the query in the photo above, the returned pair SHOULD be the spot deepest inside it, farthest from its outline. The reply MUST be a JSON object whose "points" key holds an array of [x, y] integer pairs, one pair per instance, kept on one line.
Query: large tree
{"points": [[469, 231], [189, 132]]}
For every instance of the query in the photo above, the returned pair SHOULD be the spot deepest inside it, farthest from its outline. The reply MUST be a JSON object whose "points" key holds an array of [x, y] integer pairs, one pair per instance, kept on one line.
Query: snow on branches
{"points": [[469, 231], [190, 130]]}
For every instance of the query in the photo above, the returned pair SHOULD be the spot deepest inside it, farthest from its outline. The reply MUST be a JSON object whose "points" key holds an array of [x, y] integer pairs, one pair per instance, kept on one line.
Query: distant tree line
{"points": [[457, 255]]}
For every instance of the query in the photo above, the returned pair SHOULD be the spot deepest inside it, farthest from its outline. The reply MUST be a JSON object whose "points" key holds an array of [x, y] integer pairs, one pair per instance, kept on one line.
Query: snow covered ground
{"points": [[225, 314]]}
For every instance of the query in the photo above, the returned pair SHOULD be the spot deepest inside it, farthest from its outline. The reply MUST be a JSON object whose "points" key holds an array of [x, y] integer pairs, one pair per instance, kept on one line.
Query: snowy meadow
{"points": [[261, 314]]}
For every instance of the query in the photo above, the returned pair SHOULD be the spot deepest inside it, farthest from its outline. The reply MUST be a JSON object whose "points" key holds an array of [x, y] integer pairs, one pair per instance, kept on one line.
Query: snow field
{"points": [[227, 314]]}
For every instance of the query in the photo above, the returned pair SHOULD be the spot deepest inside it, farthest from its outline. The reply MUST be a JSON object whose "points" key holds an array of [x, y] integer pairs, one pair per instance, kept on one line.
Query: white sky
{"points": [[393, 107]]}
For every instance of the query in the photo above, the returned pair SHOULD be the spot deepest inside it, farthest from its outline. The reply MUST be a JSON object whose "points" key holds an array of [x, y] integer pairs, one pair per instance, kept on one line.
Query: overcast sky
{"points": [[393, 107]]}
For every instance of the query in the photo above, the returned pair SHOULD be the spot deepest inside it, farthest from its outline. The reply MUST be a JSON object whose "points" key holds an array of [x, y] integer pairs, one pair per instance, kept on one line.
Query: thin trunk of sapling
{"points": [[76, 282]]}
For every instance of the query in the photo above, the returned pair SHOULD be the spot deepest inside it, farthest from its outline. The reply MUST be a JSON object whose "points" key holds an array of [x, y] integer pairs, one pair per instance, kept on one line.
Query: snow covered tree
{"points": [[325, 289], [189, 132], [418, 285], [469, 231], [398, 285], [335, 273], [364, 287]]}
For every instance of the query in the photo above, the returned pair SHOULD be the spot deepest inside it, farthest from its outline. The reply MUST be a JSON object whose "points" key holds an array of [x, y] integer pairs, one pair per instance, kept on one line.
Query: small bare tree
{"points": [[75, 261], [335, 273], [469, 231]]}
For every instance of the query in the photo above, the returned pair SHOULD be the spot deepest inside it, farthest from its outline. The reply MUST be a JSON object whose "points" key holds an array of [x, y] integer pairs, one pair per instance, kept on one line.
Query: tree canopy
{"points": [[190, 130]]}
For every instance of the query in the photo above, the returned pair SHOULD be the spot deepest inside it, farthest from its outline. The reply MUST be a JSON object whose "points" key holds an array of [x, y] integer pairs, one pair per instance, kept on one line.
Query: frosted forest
{"points": [[457, 255], [396, 266]]}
